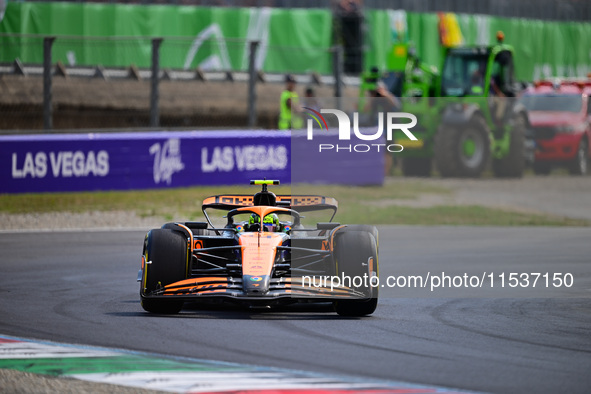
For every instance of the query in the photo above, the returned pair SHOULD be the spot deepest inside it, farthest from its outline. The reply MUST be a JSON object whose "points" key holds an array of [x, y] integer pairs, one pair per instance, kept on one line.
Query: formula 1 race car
{"points": [[262, 257]]}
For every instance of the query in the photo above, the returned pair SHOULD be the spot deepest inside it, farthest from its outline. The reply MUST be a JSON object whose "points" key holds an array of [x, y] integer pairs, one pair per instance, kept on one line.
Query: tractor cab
{"points": [[465, 72], [480, 71], [405, 75]]}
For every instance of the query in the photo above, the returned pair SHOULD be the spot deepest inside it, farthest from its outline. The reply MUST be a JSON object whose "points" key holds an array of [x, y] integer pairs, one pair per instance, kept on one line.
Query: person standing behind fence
{"points": [[310, 100], [289, 107]]}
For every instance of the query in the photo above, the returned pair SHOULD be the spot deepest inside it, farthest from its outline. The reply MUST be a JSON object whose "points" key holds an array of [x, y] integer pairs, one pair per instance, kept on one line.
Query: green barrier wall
{"points": [[213, 38], [542, 49], [292, 40]]}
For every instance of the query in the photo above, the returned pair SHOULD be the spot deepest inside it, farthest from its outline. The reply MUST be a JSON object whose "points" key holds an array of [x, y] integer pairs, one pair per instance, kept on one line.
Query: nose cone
{"points": [[256, 285]]}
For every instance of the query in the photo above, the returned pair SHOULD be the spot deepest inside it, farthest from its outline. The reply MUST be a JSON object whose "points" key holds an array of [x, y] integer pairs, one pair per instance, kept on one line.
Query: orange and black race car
{"points": [[262, 256]]}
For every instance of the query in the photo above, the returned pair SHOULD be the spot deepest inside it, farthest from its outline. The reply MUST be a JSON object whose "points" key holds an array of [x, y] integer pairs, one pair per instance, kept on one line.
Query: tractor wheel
{"points": [[542, 168], [579, 165], [165, 253], [462, 151], [416, 166], [513, 164], [356, 256]]}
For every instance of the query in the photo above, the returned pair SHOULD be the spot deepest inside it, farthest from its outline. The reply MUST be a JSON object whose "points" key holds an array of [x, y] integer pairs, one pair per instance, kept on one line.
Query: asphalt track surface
{"points": [[79, 287]]}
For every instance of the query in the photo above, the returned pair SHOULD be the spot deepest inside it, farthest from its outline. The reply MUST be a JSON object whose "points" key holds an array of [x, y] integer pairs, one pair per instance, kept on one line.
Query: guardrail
{"points": [[155, 69]]}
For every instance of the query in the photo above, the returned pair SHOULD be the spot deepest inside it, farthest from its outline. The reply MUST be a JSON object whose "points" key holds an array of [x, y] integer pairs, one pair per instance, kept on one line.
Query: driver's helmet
{"points": [[254, 218], [270, 222]]}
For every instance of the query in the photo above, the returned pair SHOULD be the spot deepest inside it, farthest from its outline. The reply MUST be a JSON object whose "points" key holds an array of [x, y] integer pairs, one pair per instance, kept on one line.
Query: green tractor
{"points": [[416, 83], [467, 115]]}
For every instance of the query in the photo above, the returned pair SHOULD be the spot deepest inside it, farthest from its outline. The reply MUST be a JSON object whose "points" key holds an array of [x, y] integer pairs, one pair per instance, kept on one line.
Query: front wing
{"points": [[231, 288]]}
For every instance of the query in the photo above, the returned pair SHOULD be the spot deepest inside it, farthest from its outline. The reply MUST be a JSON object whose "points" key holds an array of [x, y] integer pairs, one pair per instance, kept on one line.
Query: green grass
{"points": [[354, 205], [453, 215], [188, 200], [408, 190], [161, 202]]}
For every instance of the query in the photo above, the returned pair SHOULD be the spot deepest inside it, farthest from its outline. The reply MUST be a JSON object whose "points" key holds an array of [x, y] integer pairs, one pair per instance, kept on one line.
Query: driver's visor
{"points": [[270, 227]]}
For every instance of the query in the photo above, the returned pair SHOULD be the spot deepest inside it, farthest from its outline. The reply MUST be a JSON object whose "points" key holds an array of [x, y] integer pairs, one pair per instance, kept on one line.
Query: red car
{"points": [[560, 115]]}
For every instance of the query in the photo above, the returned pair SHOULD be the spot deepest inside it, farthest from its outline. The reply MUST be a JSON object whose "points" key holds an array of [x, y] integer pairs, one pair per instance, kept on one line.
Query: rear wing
{"points": [[305, 203], [300, 203]]}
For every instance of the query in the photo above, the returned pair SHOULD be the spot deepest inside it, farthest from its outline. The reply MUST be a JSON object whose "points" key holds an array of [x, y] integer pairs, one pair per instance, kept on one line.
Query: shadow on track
{"points": [[230, 311]]}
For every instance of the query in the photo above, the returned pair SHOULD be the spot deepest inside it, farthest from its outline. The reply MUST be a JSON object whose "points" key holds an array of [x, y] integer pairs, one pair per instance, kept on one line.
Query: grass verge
{"points": [[354, 205]]}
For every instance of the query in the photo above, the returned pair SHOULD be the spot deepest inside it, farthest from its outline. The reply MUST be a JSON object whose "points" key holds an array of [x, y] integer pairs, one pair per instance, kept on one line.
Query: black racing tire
{"points": [[356, 308], [175, 227], [542, 168], [354, 247], [513, 164], [579, 165], [416, 166], [450, 157], [363, 227], [165, 253]]}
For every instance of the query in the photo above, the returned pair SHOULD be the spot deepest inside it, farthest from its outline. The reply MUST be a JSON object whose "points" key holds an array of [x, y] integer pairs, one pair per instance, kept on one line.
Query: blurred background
{"points": [[516, 75], [221, 63]]}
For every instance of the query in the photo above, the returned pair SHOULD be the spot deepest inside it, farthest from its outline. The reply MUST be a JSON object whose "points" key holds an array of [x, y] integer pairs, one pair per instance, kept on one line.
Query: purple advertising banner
{"points": [[118, 161], [148, 160], [326, 159]]}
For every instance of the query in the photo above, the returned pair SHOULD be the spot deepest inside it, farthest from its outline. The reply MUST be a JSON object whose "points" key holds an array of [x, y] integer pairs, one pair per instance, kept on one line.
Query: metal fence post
{"points": [[337, 68], [154, 94], [47, 75], [252, 80]]}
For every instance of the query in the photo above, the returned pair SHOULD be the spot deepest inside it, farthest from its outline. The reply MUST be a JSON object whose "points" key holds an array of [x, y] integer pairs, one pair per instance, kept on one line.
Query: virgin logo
{"points": [[167, 160]]}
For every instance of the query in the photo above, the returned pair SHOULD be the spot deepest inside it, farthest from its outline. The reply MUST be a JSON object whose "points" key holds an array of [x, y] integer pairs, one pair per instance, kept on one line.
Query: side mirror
{"points": [[196, 225], [327, 226]]}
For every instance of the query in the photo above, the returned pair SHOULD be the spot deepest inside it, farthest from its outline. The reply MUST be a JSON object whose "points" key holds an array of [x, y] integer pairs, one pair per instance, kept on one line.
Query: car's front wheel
{"points": [[165, 254], [580, 163], [356, 257]]}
